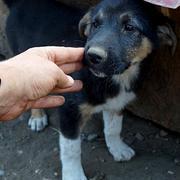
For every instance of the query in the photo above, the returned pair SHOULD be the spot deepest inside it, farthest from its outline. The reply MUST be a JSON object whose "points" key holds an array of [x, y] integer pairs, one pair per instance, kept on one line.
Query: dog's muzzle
{"points": [[96, 55]]}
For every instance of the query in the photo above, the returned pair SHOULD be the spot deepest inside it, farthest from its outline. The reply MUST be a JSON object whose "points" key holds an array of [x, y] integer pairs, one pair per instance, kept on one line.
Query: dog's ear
{"points": [[85, 24], [167, 36]]}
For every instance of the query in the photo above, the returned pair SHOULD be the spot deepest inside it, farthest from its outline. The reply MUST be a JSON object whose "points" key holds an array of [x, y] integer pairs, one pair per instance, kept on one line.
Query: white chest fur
{"points": [[117, 103]]}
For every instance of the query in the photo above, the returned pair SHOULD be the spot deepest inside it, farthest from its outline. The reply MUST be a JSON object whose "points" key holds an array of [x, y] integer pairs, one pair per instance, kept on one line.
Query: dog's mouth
{"points": [[97, 73]]}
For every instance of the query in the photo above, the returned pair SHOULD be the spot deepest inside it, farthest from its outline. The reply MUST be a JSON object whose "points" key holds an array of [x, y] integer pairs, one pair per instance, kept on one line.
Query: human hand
{"points": [[166, 3], [28, 78]]}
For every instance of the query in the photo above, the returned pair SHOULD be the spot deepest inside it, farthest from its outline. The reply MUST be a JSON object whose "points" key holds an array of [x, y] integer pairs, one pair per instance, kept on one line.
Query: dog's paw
{"points": [[121, 151], [74, 175], [38, 123]]}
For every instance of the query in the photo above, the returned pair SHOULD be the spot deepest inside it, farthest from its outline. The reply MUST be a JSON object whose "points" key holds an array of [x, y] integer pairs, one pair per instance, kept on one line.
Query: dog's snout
{"points": [[96, 55]]}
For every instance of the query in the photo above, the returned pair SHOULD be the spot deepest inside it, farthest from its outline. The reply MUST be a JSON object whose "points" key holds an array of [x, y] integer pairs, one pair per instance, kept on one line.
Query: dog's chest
{"points": [[114, 105], [112, 95], [117, 103]]}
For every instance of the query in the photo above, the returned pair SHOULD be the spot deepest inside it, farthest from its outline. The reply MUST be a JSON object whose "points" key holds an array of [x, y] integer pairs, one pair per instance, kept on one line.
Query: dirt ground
{"points": [[26, 155]]}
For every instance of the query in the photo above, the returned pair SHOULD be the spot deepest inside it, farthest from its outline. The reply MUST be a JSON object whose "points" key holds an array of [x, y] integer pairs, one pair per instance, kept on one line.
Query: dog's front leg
{"points": [[112, 130], [70, 151]]}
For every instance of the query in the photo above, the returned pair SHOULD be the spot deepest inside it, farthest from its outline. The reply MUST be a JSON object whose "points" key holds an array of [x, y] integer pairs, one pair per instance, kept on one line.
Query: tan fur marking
{"points": [[86, 112], [142, 52], [84, 24], [128, 75], [125, 16]]}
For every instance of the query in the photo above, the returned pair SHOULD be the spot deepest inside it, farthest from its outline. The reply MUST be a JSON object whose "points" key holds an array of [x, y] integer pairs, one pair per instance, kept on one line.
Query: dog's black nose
{"points": [[96, 55]]}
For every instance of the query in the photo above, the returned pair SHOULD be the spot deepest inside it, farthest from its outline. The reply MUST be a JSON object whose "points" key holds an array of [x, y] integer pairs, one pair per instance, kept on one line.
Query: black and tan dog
{"points": [[121, 34]]}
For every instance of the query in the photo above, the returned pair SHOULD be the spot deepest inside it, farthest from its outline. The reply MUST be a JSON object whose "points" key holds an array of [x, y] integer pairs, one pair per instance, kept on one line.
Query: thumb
{"points": [[63, 80]]}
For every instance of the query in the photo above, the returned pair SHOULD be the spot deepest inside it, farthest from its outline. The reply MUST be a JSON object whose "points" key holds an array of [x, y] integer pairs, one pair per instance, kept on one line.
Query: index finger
{"points": [[62, 55]]}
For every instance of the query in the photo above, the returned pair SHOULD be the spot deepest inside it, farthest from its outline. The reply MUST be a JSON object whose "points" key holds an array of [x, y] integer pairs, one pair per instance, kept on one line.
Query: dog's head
{"points": [[120, 34]]}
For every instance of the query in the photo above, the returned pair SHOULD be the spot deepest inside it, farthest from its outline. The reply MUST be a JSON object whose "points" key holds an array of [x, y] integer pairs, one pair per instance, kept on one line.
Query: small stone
{"points": [[177, 161], [20, 152], [163, 133], [92, 137], [93, 147], [171, 172], [102, 160], [146, 168], [14, 173], [139, 136], [37, 171], [55, 174], [1, 172]]}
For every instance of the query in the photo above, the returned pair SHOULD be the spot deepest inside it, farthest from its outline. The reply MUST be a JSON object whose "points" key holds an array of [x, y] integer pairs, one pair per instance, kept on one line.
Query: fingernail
{"points": [[70, 81], [61, 100], [79, 84]]}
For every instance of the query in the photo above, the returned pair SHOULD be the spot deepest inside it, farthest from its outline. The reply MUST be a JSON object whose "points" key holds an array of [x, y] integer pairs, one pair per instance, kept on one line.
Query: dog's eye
{"points": [[129, 27], [95, 24]]}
